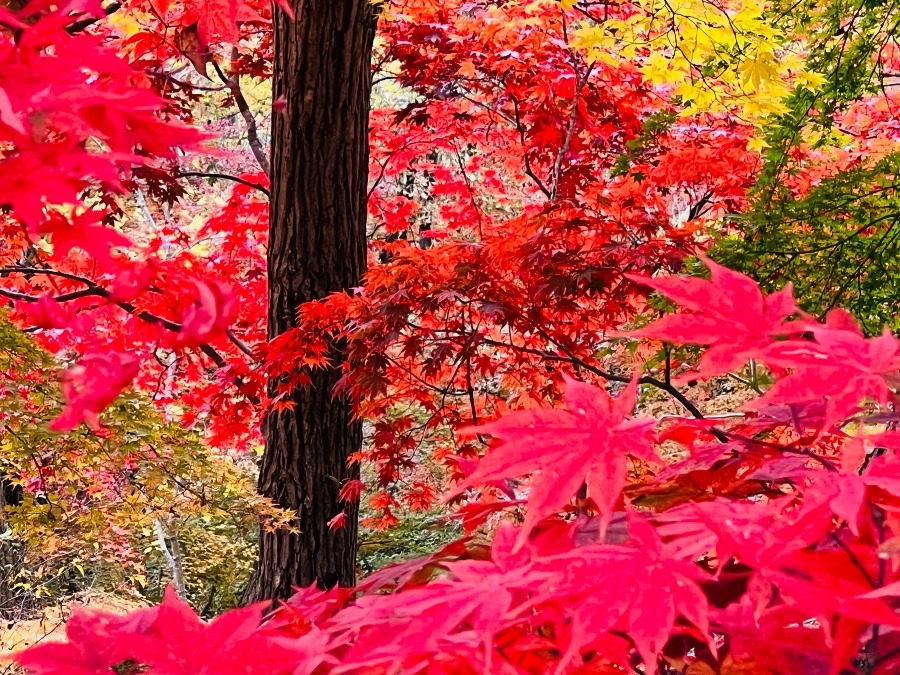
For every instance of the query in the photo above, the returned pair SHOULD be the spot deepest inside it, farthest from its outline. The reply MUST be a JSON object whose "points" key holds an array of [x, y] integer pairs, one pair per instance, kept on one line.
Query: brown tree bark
{"points": [[13, 601], [317, 245]]}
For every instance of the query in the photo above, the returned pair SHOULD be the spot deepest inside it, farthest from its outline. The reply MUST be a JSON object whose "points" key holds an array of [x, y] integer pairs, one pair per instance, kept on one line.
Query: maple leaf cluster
{"points": [[72, 114], [502, 223], [769, 549], [78, 124]]}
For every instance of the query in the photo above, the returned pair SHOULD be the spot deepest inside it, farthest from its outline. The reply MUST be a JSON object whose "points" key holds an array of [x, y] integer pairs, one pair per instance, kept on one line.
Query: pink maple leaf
{"points": [[46, 313], [840, 365], [91, 385], [588, 442], [93, 644], [727, 313]]}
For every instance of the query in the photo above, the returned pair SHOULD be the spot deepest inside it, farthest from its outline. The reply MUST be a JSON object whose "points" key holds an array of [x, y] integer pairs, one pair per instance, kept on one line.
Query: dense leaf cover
{"points": [[538, 171], [769, 548]]}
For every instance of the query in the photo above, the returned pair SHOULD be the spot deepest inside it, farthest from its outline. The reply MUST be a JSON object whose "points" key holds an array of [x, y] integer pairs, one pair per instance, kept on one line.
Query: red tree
{"points": [[526, 201]]}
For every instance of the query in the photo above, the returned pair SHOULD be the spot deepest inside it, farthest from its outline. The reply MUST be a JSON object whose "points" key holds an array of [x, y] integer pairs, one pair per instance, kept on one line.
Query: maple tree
{"points": [[537, 172], [824, 204]]}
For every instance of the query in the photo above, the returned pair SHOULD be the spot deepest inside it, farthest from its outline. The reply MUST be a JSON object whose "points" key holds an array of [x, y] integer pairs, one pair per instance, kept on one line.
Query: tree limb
{"points": [[234, 85], [77, 26], [224, 176], [528, 170], [165, 539], [93, 289]]}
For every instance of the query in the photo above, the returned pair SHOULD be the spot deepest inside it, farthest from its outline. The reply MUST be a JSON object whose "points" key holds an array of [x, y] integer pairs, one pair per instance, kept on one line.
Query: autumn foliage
{"points": [[767, 547], [544, 178]]}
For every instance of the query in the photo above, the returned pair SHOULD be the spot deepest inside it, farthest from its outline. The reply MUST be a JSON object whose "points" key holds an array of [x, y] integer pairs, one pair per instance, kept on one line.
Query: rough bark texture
{"points": [[317, 245], [14, 602]]}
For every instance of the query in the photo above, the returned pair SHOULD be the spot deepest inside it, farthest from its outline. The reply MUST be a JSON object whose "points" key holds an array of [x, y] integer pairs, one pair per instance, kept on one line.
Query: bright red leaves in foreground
{"points": [[171, 639], [728, 314], [765, 556], [588, 442], [833, 362]]}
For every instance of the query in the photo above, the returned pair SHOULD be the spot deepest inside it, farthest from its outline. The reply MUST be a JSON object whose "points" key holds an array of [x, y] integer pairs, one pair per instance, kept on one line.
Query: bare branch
{"points": [[564, 149], [240, 344], [79, 25], [234, 85], [96, 290], [528, 170], [224, 176], [171, 551]]}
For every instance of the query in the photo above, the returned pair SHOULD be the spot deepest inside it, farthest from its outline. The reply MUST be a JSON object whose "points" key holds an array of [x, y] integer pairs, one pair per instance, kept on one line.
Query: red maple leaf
{"points": [[218, 21], [46, 313], [351, 490], [728, 313], [338, 522], [208, 316], [91, 385], [840, 364], [84, 232], [93, 646], [588, 442], [171, 639]]}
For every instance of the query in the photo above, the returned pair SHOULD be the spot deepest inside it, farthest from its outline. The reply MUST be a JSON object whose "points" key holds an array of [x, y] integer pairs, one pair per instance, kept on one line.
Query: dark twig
{"points": [[528, 169], [854, 560], [77, 26], [234, 85], [697, 209], [224, 176], [93, 289], [878, 520]]}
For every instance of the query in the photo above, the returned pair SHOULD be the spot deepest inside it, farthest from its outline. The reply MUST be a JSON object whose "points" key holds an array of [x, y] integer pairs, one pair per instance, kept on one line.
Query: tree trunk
{"points": [[14, 603], [317, 245]]}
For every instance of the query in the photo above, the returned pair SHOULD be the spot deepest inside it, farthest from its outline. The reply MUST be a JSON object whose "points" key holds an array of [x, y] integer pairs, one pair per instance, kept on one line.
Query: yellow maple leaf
{"points": [[661, 70], [757, 144], [759, 71], [811, 80]]}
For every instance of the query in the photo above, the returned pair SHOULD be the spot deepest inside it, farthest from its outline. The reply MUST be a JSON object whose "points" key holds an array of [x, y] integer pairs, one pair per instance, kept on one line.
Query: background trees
{"points": [[693, 475]]}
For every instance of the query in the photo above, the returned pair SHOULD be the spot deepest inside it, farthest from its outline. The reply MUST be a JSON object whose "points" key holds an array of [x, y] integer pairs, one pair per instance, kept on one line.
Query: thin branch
{"points": [[234, 85], [521, 129], [570, 132], [878, 521], [854, 560], [240, 344], [825, 462], [697, 209], [224, 176], [884, 657], [646, 379], [95, 290], [469, 188], [145, 209], [190, 86], [79, 25], [172, 555]]}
